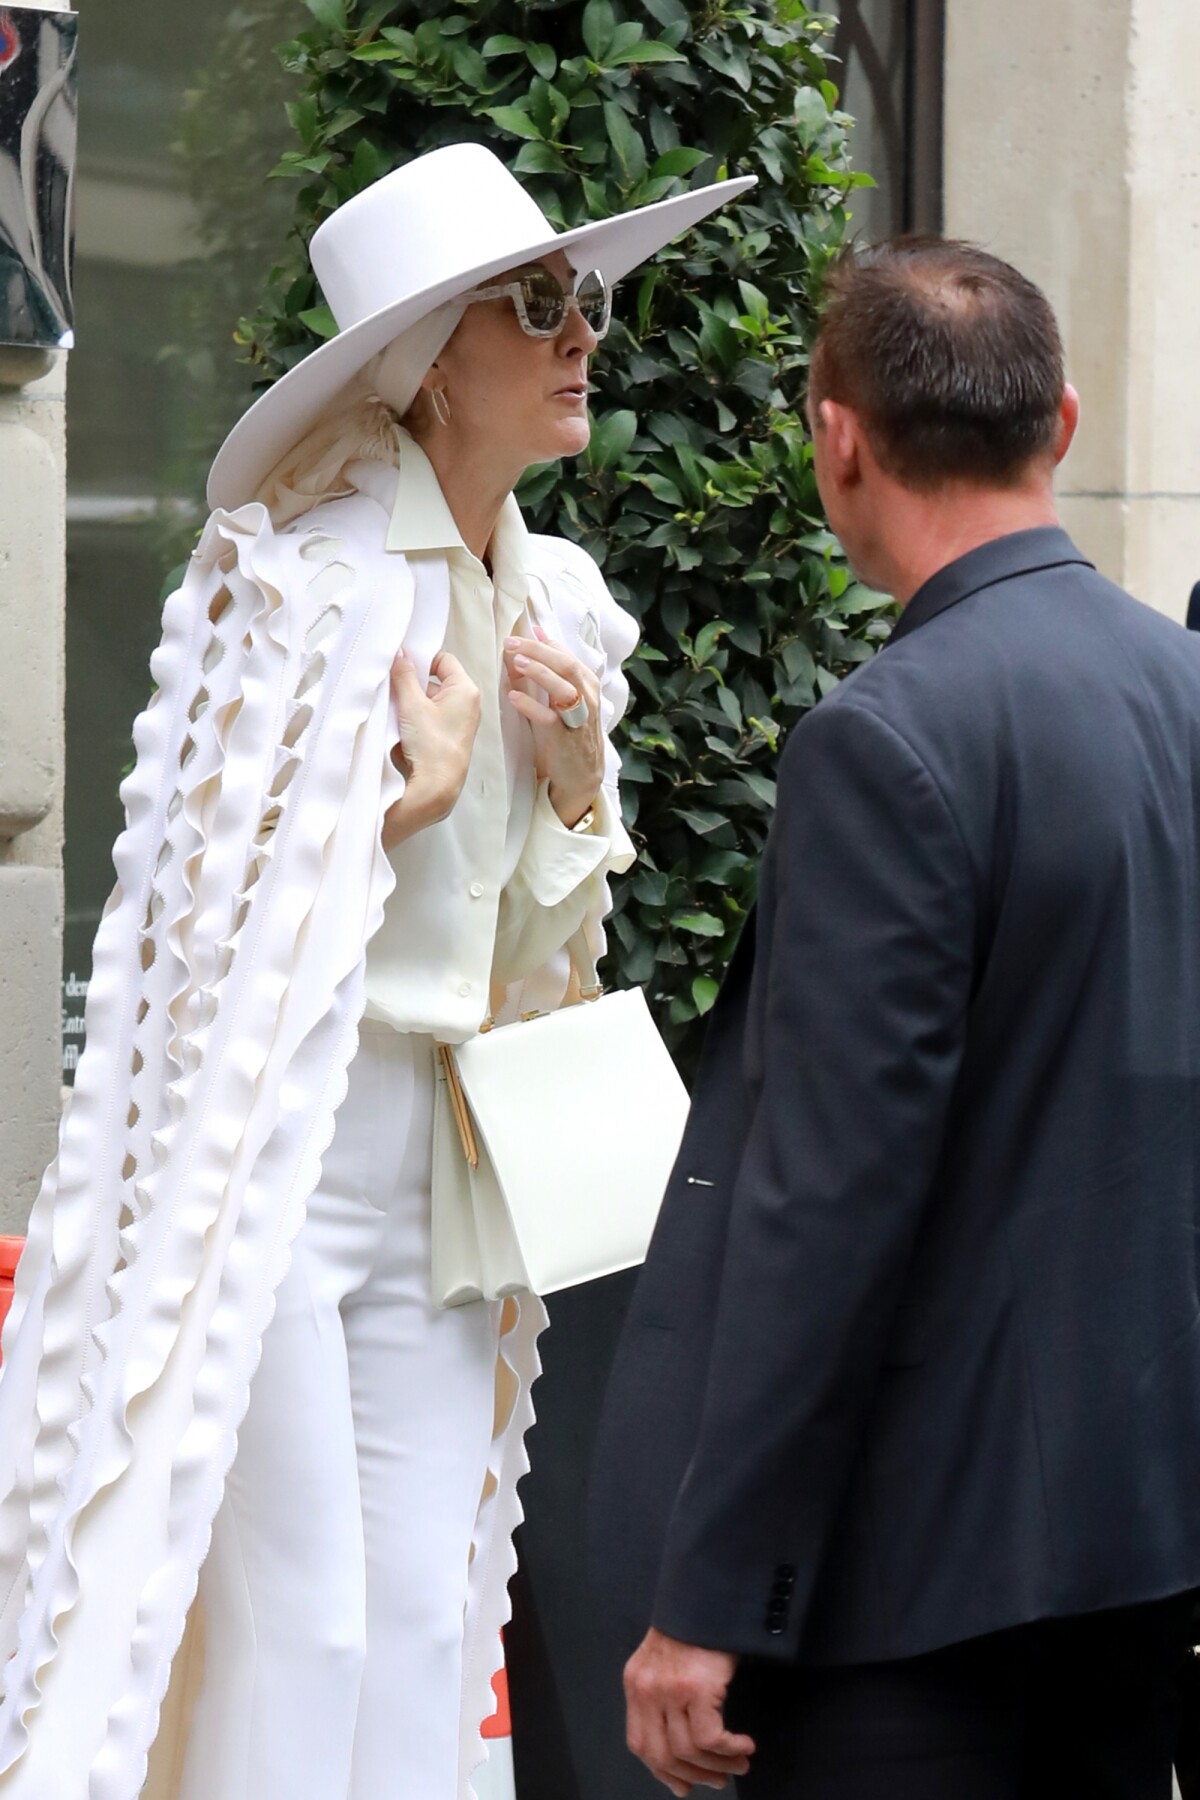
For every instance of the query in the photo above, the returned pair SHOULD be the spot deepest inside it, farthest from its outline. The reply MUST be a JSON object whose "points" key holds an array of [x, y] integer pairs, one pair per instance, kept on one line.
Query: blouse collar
{"points": [[422, 520]]}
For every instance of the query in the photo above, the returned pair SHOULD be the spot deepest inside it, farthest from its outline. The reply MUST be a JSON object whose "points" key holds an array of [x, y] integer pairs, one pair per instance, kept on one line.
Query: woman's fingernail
{"points": [[522, 662]]}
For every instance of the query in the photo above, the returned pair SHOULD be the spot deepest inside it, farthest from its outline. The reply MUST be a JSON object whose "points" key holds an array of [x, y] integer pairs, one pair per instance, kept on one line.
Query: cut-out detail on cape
{"points": [[222, 1016]]}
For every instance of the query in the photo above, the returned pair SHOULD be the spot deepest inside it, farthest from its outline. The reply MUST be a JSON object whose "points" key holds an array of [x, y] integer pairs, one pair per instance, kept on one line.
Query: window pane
{"points": [[890, 80], [177, 225]]}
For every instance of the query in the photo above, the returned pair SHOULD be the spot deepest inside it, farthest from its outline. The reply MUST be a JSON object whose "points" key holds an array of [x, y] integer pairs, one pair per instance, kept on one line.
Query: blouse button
{"points": [[465, 989], [477, 890]]}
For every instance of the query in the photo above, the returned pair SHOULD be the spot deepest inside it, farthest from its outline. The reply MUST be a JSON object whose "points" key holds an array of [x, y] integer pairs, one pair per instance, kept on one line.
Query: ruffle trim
{"points": [[222, 1017], [494, 1561]]}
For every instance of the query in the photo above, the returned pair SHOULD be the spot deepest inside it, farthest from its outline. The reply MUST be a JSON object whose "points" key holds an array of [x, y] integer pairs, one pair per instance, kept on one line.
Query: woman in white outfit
{"points": [[338, 1580], [353, 1591]]}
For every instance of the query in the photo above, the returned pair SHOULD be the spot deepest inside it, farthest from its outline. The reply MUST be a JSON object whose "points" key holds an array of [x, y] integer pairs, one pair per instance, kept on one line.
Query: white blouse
{"points": [[493, 892]]}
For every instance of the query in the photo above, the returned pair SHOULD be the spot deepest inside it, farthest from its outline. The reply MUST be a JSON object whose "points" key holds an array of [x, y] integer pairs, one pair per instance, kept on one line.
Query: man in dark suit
{"points": [[901, 1456]]}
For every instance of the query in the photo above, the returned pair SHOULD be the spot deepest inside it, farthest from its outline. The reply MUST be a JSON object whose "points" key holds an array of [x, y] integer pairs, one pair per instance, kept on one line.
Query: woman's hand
{"points": [[437, 735], [572, 760]]}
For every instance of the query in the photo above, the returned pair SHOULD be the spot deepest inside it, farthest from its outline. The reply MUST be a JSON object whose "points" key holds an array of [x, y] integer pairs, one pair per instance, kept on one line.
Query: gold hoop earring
{"points": [[441, 405]]}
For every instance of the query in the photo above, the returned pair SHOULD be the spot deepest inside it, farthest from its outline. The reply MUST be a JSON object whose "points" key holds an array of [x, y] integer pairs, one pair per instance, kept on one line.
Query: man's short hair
{"points": [[951, 358]]}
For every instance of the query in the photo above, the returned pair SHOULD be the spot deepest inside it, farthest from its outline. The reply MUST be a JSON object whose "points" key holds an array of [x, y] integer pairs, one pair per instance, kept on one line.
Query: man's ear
{"points": [[1068, 421], [841, 432]]}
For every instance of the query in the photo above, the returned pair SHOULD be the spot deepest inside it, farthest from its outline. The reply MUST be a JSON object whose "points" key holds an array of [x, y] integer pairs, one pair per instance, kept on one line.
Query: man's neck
{"points": [[932, 531]]}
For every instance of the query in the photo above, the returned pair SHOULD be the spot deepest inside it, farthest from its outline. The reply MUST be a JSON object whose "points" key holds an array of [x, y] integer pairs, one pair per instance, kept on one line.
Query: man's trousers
{"points": [[1064, 1709]]}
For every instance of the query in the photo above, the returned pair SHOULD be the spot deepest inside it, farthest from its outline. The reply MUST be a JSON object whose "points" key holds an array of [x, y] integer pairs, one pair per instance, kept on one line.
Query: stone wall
{"points": [[32, 583], [1072, 147]]}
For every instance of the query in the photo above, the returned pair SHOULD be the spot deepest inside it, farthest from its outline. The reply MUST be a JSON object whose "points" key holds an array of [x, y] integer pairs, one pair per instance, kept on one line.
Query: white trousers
{"points": [[335, 1589]]}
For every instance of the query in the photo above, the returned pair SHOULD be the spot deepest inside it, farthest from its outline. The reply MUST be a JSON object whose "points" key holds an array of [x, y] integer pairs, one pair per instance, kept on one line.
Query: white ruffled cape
{"points": [[227, 987]]}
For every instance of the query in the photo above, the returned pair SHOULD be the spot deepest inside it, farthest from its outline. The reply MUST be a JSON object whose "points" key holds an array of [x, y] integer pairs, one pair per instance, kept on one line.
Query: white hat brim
{"points": [[281, 416]]}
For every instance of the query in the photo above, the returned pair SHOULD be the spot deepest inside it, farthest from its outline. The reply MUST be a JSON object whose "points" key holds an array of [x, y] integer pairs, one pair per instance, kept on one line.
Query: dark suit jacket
{"points": [[916, 1352]]}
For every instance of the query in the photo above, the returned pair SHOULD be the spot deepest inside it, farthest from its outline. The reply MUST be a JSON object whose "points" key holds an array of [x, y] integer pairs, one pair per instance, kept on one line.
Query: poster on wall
{"points": [[38, 117]]}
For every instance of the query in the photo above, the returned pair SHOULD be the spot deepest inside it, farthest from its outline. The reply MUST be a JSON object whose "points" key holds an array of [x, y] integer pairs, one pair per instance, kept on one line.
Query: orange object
{"points": [[500, 1723], [10, 1256]]}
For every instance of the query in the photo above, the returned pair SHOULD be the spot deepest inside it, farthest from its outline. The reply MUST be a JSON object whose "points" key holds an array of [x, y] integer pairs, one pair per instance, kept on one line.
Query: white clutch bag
{"points": [[553, 1142]]}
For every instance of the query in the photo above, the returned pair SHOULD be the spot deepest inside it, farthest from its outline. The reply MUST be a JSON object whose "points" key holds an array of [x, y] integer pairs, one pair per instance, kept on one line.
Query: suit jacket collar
{"points": [[1020, 553]]}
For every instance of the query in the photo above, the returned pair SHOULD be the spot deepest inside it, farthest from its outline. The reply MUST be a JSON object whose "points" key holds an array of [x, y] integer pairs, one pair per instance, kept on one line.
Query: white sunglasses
{"points": [[543, 303]]}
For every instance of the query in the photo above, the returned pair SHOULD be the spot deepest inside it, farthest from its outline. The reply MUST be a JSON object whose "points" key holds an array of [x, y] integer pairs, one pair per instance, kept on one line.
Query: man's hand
{"points": [[675, 1699]]}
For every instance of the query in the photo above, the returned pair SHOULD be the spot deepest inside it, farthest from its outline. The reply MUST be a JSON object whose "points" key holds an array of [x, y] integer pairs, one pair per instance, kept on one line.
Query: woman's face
{"points": [[526, 395]]}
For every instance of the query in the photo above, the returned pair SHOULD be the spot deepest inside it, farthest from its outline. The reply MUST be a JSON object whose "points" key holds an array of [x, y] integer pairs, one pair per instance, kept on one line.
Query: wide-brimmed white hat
{"points": [[401, 250]]}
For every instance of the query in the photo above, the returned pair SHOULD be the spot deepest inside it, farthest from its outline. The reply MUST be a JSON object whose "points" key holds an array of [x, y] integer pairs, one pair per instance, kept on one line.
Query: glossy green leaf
{"points": [[376, 52], [514, 121], [661, 488], [346, 118], [431, 39], [761, 786], [731, 706], [611, 438], [624, 38], [626, 142], [680, 161], [859, 599], [701, 924], [669, 12], [373, 18], [329, 13], [650, 50], [538, 159], [810, 116], [708, 637], [704, 993], [321, 321], [370, 163], [303, 115], [754, 300], [544, 59], [598, 27], [702, 820], [469, 66], [798, 662]]}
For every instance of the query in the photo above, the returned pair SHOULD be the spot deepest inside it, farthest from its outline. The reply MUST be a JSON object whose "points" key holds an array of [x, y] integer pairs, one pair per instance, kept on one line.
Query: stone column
{"points": [[1072, 148], [32, 612]]}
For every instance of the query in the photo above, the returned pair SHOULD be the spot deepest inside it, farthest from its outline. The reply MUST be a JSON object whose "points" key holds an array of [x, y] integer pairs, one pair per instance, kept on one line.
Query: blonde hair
{"points": [[362, 423], [362, 429]]}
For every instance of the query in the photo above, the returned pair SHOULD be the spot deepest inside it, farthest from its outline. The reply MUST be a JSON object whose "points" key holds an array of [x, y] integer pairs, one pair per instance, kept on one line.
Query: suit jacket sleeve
{"points": [[862, 986]]}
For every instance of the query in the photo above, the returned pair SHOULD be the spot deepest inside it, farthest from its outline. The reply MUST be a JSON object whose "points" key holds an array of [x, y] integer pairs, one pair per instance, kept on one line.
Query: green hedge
{"points": [[697, 494]]}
